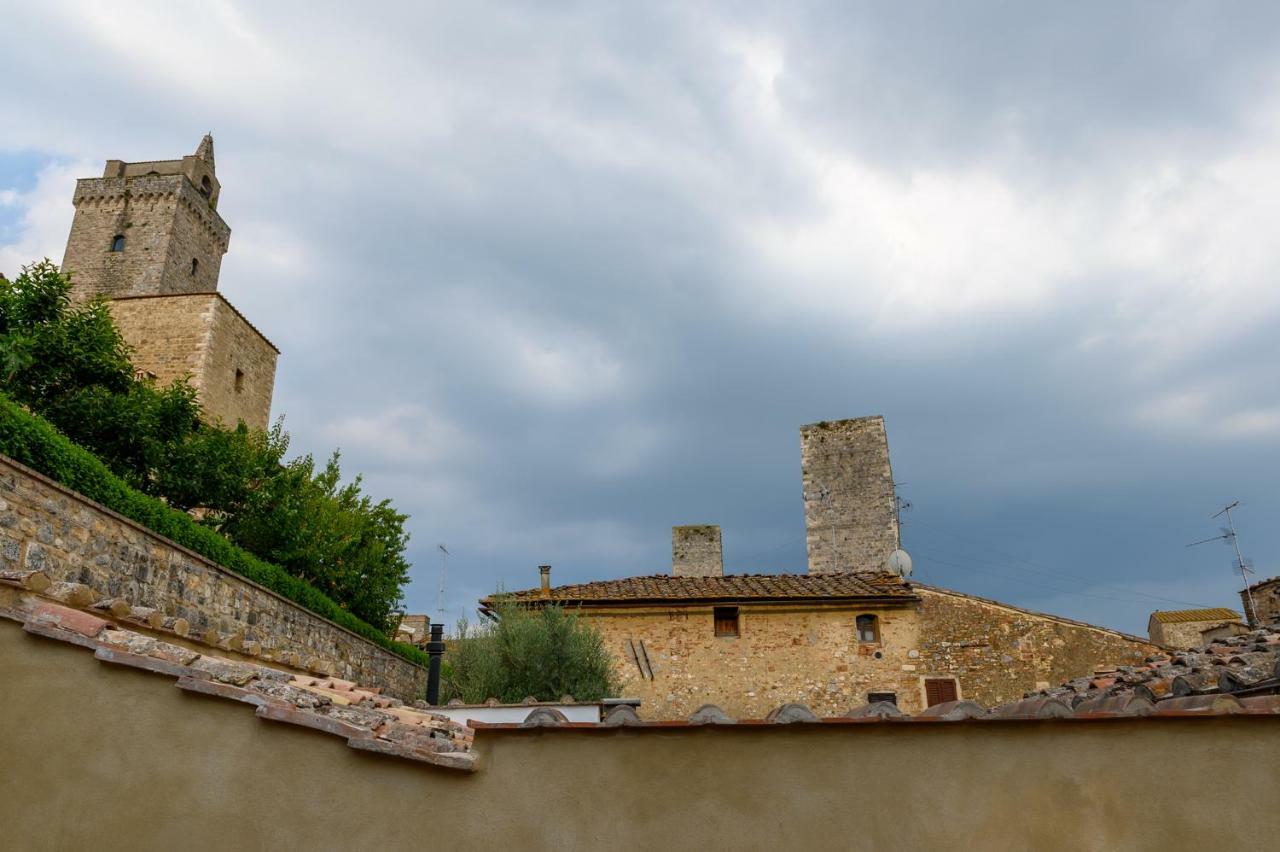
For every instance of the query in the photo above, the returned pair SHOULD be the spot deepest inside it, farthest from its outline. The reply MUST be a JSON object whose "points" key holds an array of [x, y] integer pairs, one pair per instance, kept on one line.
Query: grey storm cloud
{"points": [[557, 277]]}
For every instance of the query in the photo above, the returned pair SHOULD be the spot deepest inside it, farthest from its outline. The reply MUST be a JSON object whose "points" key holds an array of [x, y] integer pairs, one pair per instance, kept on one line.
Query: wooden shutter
{"points": [[939, 690], [726, 620]]}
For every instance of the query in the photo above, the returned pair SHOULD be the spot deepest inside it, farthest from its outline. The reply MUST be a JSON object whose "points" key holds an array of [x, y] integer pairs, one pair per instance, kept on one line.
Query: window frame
{"points": [[875, 628], [721, 616], [117, 244]]}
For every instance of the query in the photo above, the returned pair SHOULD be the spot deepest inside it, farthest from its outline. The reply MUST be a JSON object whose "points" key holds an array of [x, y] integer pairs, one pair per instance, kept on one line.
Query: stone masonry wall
{"points": [[46, 527], [696, 551], [165, 222], [204, 337], [236, 347], [1266, 602], [1181, 634], [782, 654], [848, 461], [810, 654], [998, 652]]}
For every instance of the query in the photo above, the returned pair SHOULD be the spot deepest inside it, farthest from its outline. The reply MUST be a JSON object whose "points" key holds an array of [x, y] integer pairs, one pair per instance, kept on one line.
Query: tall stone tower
{"points": [[850, 511], [147, 237]]}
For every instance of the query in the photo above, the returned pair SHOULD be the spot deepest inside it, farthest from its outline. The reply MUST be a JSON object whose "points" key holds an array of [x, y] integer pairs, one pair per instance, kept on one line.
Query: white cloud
{"points": [[45, 216]]}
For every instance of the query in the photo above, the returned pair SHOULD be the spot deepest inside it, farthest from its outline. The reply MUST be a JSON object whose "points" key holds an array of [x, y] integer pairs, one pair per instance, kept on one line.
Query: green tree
{"points": [[331, 535], [544, 652]]}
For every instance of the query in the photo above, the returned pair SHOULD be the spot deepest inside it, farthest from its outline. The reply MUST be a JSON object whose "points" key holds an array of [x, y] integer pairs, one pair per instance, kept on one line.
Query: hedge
{"points": [[36, 443]]}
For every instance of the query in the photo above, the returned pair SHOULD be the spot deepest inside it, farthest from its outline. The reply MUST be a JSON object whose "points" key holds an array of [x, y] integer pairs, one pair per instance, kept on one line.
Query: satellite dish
{"points": [[899, 562]]}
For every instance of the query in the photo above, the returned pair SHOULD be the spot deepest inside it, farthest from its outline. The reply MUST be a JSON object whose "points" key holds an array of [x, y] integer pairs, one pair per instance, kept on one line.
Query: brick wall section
{"points": [[165, 221], [810, 654], [45, 527], [850, 459], [202, 336], [998, 652], [696, 551]]}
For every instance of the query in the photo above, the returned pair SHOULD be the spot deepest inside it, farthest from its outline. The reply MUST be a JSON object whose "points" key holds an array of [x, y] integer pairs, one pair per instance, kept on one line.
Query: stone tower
{"points": [[147, 237], [850, 511]]}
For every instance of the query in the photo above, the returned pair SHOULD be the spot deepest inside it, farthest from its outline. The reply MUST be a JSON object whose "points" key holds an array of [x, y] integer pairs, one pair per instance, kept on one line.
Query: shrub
{"points": [[545, 652], [36, 443]]}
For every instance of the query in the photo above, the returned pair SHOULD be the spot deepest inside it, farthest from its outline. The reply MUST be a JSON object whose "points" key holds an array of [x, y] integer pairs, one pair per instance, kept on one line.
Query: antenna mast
{"points": [[444, 569], [1229, 534]]}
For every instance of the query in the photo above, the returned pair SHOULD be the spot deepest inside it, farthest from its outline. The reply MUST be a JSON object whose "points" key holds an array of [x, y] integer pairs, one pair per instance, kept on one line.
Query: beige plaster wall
{"points": [[102, 757]]}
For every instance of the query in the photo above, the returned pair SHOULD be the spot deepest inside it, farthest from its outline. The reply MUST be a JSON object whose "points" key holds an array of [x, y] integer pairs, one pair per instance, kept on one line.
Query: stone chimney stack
{"points": [[545, 573], [696, 551], [850, 508]]}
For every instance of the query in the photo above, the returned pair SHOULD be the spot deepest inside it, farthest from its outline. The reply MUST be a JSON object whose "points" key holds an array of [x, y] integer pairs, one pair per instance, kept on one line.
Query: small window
{"points": [[195, 265], [885, 697], [726, 621], [868, 627], [206, 185], [939, 690], [239, 380], [117, 242]]}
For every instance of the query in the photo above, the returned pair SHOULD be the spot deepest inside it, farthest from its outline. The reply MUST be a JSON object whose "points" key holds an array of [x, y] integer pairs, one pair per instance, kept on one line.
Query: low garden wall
{"points": [[71, 539]]}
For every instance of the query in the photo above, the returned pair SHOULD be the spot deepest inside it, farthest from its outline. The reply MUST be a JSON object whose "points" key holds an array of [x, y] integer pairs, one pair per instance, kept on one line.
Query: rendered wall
{"points": [[855, 527], [100, 757], [810, 654], [48, 528]]}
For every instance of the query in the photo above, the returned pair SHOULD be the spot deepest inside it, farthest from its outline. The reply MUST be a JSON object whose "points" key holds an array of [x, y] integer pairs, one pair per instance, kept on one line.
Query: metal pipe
{"points": [[435, 649]]}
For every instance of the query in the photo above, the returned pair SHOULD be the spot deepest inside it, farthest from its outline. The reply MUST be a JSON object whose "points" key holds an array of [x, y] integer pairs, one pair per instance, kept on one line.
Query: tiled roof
{"points": [[365, 718], [1178, 616], [664, 587]]}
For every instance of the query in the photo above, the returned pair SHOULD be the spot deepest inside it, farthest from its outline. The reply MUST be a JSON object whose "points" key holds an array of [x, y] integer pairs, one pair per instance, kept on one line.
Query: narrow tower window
{"points": [[868, 628], [195, 264], [117, 242], [206, 186], [239, 380]]}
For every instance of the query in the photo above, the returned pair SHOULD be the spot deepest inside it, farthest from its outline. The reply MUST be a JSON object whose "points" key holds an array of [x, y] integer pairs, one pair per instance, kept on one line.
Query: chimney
{"points": [[545, 571], [696, 551]]}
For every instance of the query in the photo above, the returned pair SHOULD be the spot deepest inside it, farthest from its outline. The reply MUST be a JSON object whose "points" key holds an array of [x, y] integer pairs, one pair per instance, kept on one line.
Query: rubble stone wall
{"points": [[997, 653], [1266, 602], [48, 528], [850, 516], [671, 659]]}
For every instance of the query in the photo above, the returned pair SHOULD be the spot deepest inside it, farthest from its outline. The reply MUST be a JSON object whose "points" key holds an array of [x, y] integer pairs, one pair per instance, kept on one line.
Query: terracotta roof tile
{"points": [[664, 587]]}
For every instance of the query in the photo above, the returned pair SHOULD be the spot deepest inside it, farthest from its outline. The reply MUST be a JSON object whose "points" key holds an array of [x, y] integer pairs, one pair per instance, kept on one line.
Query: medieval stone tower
{"points": [[850, 507], [148, 237]]}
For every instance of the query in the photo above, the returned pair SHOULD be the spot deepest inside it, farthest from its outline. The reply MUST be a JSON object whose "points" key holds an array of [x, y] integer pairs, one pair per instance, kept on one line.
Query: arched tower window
{"points": [[868, 627], [195, 265], [117, 242], [206, 186]]}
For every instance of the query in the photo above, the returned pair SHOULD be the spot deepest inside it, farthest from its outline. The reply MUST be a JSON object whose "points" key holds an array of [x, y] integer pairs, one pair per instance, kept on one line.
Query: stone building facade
{"points": [[148, 237], [846, 633], [749, 643], [1184, 628], [850, 507]]}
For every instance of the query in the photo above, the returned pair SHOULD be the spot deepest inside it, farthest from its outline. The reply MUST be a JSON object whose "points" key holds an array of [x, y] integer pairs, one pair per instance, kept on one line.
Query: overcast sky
{"points": [[556, 277]]}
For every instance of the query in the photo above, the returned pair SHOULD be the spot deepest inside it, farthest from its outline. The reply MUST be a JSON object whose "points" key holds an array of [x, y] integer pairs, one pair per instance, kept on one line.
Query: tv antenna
{"points": [[444, 569], [1244, 566], [823, 496]]}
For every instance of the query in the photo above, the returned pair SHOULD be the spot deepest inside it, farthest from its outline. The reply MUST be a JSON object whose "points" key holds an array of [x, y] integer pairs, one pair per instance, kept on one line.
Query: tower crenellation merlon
{"points": [[148, 228]]}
